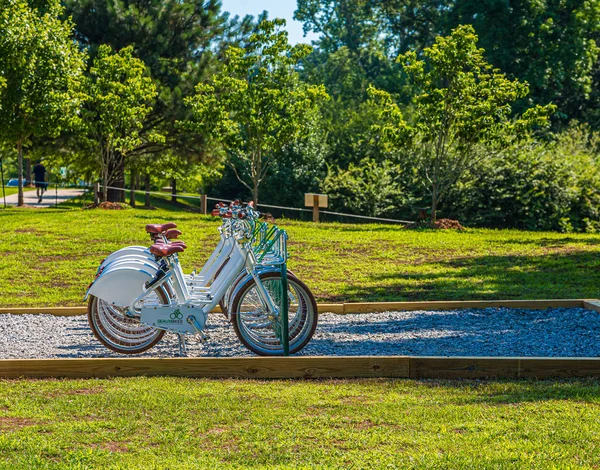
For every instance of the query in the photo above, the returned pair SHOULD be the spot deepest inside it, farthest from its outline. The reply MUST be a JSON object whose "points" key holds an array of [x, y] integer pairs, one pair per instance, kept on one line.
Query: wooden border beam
{"points": [[300, 367], [592, 305], [234, 367], [369, 307], [373, 307]]}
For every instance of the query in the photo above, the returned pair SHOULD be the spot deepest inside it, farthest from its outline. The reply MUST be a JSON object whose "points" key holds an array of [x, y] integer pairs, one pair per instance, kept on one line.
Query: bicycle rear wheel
{"points": [[120, 332], [258, 332]]}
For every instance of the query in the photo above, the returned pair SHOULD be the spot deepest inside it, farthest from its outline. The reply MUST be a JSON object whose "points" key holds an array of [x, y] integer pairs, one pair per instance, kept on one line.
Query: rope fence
{"points": [[270, 206], [204, 198]]}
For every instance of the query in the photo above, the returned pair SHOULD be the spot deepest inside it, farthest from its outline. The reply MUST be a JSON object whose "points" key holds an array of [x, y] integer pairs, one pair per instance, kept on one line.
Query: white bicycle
{"points": [[139, 293]]}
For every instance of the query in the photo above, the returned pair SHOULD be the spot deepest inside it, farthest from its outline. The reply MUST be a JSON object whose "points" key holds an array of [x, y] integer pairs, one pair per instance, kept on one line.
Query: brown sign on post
{"points": [[315, 201]]}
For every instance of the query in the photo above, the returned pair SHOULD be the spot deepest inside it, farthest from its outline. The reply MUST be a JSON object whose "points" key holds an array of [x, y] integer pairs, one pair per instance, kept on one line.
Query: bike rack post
{"points": [[285, 334]]}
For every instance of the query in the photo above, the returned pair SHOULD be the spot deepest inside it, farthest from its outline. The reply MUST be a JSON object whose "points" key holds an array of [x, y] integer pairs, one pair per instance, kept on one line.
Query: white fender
{"points": [[141, 251], [121, 285], [133, 261]]}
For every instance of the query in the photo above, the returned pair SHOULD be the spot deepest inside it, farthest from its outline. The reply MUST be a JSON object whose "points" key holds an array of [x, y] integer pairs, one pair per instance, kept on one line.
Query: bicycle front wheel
{"points": [[258, 330]]}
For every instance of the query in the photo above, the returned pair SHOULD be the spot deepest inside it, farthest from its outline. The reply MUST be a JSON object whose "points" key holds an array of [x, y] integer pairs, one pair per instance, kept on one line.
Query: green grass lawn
{"points": [[48, 257], [184, 423]]}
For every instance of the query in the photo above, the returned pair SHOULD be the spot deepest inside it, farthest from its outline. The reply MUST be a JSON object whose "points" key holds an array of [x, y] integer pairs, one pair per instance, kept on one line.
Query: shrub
{"points": [[544, 186]]}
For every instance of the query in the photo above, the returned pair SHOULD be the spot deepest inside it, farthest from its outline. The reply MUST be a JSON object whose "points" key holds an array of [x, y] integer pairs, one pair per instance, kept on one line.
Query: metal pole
{"points": [[285, 333], [3, 191]]}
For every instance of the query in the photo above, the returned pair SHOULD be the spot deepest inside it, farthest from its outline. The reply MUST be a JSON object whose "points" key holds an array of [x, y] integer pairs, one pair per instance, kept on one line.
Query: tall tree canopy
{"points": [[180, 41], [41, 67], [256, 104], [117, 100], [462, 111]]}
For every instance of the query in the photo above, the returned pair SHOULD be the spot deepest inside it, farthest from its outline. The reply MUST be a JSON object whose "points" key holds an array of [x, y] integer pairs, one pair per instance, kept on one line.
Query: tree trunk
{"points": [[147, 186], [434, 203], [132, 188], [117, 180], [255, 193], [28, 175], [173, 190], [20, 170]]}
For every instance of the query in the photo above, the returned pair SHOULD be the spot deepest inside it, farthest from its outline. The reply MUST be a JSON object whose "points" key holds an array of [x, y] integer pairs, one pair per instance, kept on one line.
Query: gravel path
{"points": [[473, 332]]}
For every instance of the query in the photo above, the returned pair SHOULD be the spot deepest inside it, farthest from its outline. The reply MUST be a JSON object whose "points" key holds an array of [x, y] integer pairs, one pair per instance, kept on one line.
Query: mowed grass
{"points": [[49, 256], [185, 423]]}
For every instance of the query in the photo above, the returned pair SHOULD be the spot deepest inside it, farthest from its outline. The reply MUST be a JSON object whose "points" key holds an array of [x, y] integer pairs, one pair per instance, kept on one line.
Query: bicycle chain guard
{"points": [[173, 318]]}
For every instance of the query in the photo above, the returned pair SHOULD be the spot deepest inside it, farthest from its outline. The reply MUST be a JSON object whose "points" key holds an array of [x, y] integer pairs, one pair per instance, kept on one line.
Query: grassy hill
{"points": [[49, 256]]}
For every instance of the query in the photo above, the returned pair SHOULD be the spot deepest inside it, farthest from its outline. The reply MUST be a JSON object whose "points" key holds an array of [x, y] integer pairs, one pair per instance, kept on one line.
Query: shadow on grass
{"points": [[567, 275], [551, 242], [501, 392]]}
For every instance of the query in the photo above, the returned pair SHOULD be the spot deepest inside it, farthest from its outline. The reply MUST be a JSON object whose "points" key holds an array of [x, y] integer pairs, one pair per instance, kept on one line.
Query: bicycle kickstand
{"points": [[182, 347]]}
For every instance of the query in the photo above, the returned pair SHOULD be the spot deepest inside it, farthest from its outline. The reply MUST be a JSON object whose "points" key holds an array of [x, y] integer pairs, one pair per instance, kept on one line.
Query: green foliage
{"points": [[118, 97], [256, 104], [369, 188], [552, 45], [299, 167], [352, 24], [40, 68], [462, 110], [550, 186]]}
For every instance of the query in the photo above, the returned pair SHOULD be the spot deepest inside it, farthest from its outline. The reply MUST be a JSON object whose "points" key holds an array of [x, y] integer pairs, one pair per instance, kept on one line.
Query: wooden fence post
{"points": [[203, 203], [316, 208], [96, 193]]}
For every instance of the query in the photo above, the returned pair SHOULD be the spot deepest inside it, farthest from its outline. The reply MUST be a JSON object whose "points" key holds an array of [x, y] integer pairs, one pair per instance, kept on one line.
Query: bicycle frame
{"points": [[232, 261]]}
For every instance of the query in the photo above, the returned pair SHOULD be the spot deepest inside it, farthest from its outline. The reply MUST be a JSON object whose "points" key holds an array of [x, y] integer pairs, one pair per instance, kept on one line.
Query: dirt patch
{"points": [[8, 423], [113, 446], [109, 206], [86, 391], [442, 224], [25, 230], [216, 431], [352, 400], [53, 258]]}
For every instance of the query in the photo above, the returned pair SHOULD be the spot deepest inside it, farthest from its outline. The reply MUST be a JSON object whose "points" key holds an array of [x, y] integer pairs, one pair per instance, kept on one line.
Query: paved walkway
{"points": [[49, 199]]}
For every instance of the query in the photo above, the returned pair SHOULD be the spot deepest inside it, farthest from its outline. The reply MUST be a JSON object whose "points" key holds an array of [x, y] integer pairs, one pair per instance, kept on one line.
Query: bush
{"points": [[369, 188], [548, 186]]}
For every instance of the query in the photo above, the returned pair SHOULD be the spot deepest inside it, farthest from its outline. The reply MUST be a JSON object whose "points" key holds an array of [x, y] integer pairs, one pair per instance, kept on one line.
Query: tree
{"points": [[462, 111], [117, 102], [551, 44], [256, 104], [41, 68], [180, 41]]}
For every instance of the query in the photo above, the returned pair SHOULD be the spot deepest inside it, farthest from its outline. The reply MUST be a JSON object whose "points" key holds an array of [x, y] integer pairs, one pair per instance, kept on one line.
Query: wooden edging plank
{"points": [[300, 367], [458, 304], [233, 367], [592, 305], [372, 307]]}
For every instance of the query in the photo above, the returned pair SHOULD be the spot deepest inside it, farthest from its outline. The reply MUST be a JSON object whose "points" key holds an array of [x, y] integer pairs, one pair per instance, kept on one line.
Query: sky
{"points": [[277, 9]]}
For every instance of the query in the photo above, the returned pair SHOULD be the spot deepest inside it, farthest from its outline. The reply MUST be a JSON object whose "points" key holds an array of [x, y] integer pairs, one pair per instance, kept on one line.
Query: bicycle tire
{"points": [[261, 337]]}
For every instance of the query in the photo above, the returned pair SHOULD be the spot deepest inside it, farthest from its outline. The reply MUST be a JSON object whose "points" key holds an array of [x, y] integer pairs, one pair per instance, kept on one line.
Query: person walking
{"points": [[39, 171]]}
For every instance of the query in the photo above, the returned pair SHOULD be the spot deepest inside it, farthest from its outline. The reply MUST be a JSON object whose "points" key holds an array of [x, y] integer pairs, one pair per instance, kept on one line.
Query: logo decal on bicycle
{"points": [[176, 315]]}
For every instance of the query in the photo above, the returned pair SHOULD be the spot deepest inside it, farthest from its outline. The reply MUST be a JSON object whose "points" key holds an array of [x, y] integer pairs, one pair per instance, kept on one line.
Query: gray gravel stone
{"points": [[557, 332]]}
